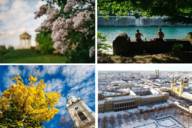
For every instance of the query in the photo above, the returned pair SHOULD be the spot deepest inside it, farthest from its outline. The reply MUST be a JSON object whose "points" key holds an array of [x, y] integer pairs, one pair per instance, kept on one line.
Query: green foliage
{"points": [[31, 56], [45, 42], [101, 36], [104, 49], [10, 48], [60, 3], [114, 7], [81, 52], [102, 46], [189, 35], [3, 50], [177, 50], [11, 119], [83, 43], [177, 10]]}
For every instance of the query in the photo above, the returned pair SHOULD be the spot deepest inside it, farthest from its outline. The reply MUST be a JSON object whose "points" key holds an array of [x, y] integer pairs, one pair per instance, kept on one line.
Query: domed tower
{"points": [[80, 113], [186, 82], [25, 40]]}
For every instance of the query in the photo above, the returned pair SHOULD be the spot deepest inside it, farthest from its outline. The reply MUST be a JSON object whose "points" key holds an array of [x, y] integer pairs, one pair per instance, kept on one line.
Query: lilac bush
{"points": [[71, 24]]}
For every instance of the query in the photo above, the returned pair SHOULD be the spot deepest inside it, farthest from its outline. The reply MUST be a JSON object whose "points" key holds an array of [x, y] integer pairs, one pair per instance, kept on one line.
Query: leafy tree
{"points": [[177, 10], [45, 42], [27, 105], [3, 50], [101, 36]]}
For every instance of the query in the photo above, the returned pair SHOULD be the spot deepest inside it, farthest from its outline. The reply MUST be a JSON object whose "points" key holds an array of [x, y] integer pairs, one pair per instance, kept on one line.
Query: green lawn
{"points": [[30, 56]]}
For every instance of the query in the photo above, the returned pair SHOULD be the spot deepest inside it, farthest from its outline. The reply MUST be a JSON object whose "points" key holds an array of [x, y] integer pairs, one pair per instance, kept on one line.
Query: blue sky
{"points": [[76, 80], [17, 16]]}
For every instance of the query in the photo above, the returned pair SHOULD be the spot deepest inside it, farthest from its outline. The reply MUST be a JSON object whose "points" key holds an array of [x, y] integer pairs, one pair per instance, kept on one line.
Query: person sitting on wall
{"points": [[160, 35], [128, 39], [138, 36]]}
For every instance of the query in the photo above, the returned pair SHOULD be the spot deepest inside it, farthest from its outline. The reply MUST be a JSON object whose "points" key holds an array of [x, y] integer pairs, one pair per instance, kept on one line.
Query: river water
{"points": [[148, 32]]}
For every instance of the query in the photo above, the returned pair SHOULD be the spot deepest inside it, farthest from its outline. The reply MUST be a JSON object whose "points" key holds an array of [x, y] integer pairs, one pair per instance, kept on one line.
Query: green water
{"points": [[148, 32]]}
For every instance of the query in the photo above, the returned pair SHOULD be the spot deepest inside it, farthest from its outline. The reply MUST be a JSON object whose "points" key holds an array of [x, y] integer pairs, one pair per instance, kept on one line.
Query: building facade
{"points": [[80, 113], [121, 103]]}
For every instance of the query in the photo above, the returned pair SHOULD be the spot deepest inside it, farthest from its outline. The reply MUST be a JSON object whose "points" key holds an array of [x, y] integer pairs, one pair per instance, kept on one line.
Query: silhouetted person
{"points": [[128, 39], [160, 35], [138, 36]]}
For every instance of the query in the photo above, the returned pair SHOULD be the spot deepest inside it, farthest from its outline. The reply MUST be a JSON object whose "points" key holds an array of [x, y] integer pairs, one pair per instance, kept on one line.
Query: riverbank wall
{"points": [[133, 21]]}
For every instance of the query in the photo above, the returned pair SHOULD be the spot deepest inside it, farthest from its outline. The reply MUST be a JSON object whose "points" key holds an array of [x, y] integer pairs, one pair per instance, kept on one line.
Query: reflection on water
{"points": [[148, 32]]}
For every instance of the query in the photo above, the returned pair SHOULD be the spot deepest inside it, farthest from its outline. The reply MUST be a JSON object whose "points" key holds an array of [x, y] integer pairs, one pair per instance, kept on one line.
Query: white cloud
{"points": [[62, 105], [66, 119], [51, 69], [86, 93], [17, 19], [54, 85], [86, 84], [8, 82], [12, 71], [85, 90], [32, 70], [36, 71], [62, 102], [2, 2], [76, 74]]}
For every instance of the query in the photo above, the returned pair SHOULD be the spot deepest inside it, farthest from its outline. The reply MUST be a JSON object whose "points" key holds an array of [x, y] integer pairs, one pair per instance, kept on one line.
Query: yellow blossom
{"points": [[4, 104], [32, 79], [53, 98], [32, 101]]}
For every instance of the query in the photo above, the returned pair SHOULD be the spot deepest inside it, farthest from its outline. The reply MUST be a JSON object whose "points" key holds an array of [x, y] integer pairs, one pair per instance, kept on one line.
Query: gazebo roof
{"points": [[25, 36]]}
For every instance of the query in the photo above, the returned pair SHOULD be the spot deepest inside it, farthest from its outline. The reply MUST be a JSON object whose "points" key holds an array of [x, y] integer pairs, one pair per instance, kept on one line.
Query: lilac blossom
{"points": [[61, 26]]}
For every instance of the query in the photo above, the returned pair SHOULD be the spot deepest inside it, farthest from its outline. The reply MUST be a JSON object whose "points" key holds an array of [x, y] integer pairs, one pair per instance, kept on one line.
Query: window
{"points": [[82, 116]]}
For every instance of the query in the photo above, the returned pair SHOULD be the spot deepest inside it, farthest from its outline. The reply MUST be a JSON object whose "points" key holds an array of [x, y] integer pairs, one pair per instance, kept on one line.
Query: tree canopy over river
{"points": [[177, 10]]}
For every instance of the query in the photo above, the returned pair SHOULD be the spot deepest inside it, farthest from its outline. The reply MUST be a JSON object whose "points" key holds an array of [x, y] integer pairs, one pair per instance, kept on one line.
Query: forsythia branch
{"points": [[25, 105]]}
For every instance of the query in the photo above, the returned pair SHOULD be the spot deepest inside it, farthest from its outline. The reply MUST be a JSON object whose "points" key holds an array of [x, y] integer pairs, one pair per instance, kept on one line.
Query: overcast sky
{"points": [[17, 16], [145, 67]]}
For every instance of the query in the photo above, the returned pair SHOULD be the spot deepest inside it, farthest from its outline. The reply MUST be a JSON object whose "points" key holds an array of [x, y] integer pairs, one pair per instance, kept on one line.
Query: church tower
{"points": [[80, 113], [173, 84], [157, 73]]}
